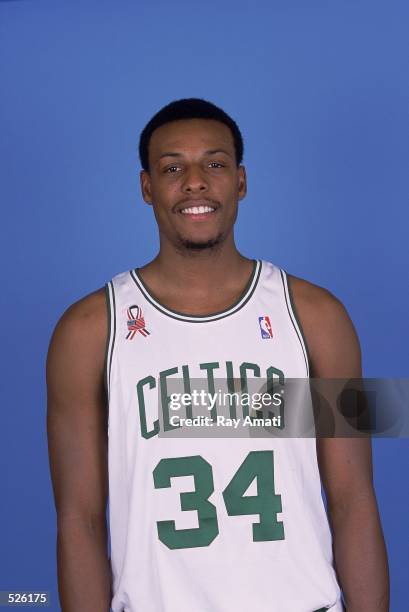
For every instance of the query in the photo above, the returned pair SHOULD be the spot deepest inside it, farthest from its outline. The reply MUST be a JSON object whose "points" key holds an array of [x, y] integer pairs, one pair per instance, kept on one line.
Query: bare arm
{"points": [[345, 463], [77, 442]]}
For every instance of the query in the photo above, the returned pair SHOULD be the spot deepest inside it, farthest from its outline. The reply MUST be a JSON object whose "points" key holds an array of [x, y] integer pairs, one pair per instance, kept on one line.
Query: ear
{"points": [[145, 180], [242, 182]]}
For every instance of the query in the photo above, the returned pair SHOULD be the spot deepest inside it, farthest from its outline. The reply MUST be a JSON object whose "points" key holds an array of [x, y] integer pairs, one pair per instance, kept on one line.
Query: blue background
{"points": [[320, 92]]}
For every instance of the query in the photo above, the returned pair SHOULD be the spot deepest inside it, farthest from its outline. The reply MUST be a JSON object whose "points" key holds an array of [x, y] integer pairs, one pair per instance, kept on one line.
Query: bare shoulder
{"points": [[314, 300], [85, 317], [329, 332], [81, 332]]}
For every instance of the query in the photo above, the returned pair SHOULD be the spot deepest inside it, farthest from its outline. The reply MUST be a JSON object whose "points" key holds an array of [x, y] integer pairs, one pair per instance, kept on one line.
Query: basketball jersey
{"points": [[210, 523]]}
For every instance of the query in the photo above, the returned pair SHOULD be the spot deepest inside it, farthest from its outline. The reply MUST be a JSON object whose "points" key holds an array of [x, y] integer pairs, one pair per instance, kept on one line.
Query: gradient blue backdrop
{"points": [[320, 91]]}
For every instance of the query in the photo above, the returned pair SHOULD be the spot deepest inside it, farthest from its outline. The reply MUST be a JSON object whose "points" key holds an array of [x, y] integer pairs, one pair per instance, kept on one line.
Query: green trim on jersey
{"points": [[180, 316], [294, 319], [109, 348], [108, 339]]}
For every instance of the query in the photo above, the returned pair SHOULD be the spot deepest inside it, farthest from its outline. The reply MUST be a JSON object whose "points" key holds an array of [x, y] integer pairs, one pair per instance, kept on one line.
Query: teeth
{"points": [[197, 210]]}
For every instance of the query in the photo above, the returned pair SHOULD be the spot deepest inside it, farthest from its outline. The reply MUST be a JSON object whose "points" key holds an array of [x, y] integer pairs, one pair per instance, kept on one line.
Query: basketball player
{"points": [[202, 524]]}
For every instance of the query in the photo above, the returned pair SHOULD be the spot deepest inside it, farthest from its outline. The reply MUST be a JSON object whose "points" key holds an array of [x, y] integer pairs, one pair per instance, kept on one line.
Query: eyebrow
{"points": [[209, 152]]}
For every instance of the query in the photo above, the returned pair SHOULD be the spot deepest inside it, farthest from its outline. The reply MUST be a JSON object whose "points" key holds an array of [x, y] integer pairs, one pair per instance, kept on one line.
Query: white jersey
{"points": [[210, 523]]}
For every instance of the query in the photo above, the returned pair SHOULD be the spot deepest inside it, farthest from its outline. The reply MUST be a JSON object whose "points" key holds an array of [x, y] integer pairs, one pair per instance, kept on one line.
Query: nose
{"points": [[194, 181]]}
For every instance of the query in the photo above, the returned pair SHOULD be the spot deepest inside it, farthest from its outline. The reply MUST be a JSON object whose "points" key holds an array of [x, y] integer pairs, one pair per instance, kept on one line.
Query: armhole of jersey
{"points": [[295, 321], [110, 301]]}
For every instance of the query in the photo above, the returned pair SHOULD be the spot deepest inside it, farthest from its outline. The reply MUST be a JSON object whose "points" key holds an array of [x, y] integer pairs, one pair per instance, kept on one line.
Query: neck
{"points": [[173, 270]]}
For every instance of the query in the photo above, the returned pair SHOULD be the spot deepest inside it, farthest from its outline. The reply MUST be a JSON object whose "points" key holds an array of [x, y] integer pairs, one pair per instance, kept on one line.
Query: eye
{"points": [[171, 169], [217, 164]]}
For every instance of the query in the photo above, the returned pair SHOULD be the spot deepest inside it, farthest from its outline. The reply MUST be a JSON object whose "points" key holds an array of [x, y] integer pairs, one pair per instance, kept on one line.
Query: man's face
{"points": [[193, 184]]}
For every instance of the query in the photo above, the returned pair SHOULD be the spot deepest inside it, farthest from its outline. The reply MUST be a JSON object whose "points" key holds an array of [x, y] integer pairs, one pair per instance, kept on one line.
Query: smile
{"points": [[197, 210]]}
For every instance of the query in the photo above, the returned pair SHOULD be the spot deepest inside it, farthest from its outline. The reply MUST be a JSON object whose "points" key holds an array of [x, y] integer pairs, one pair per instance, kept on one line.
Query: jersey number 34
{"points": [[267, 503]]}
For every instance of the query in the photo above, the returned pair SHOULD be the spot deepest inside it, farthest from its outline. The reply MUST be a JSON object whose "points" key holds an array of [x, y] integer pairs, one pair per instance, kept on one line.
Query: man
{"points": [[186, 533]]}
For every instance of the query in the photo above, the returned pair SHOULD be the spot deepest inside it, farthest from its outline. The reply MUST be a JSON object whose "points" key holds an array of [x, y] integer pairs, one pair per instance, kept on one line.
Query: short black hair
{"points": [[188, 108]]}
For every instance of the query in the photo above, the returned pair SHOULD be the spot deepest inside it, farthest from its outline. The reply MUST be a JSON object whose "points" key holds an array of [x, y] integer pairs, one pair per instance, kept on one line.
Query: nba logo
{"points": [[265, 327]]}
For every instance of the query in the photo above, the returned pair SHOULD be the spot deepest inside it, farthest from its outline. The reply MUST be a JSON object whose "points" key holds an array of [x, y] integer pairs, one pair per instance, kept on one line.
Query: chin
{"points": [[200, 244]]}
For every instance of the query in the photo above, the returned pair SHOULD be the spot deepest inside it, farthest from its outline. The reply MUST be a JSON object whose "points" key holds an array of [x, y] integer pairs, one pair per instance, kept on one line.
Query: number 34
{"points": [[267, 503]]}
